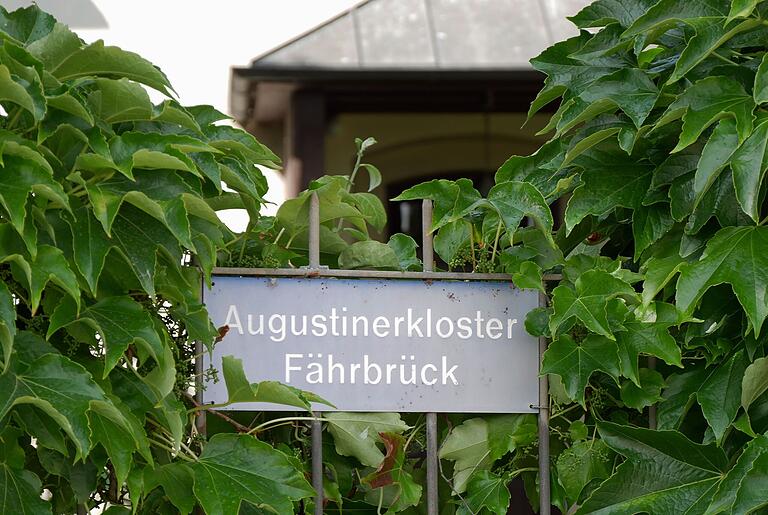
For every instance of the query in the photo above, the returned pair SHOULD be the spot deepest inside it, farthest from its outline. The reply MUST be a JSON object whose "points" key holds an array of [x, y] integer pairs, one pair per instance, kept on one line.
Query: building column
{"points": [[304, 140]]}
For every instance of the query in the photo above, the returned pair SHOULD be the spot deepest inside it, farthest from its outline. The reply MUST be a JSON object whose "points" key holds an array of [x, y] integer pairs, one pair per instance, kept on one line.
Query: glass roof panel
{"points": [[429, 34], [394, 32], [332, 45], [489, 33]]}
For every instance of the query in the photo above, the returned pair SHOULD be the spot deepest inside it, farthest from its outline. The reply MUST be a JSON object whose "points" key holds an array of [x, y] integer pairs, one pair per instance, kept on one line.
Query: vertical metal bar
{"points": [[545, 502], [426, 236], [317, 463], [432, 464], [652, 408], [314, 231], [317, 428], [200, 418]]}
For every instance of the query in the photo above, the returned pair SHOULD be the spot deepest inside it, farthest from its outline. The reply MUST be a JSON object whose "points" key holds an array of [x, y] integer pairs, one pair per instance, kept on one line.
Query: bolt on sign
{"points": [[406, 345]]}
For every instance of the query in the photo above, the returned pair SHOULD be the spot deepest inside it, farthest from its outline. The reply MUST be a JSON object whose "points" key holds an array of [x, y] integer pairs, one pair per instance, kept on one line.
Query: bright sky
{"points": [[196, 43]]}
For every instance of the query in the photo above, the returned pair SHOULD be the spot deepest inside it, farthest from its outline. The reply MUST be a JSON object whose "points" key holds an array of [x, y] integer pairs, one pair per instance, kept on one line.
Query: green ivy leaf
{"points": [[509, 432], [629, 89], [720, 394], [741, 8], [761, 81], [667, 13], [581, 464], [120, 434], [754, 382], [13, 91], [49, 265], [609, 180], [710, 35], [177, 482], [20, 492], [26, 25], [717, 389], [749, 163], [451, 199], [603, 12], [370, 207], [467, 446], [120, 321], [513, 201], [139, 239], [649, 224], [529, 276], [652, 455], [400, 490], [715, 156], [527, 168], [7, 324], [22, 174], [707, 101], [369, 255], [751, 493], [356, 434], [236, 468], [576, 362], [588, 301], [729, 258], [565, 73], [374, 176], [234, 140], [90, 245], [451, 239], [649, 336], [240, 390], [55, 46], [58, 386], [729, 486], [120, 100], [486, 491], [647, 393], [97, 59], [405, 249]]}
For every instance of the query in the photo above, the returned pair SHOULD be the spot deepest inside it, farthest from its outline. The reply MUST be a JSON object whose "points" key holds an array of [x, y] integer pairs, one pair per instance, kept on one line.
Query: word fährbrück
{"points": [[316, 369]]}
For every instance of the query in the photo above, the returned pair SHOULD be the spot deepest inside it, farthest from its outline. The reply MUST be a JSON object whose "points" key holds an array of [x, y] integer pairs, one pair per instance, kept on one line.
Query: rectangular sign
{"points": [[380, 344]]}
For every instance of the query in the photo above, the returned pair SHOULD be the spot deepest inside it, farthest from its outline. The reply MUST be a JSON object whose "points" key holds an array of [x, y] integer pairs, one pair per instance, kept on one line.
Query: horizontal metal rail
{"points": [[369, 274]]}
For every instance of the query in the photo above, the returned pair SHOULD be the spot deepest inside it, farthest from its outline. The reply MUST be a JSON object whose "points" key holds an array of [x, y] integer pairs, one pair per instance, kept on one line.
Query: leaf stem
{"points": [[170, 450], [16, 116], [279, 235], [246, 233], [472, 244], [513, 474], [496, 241], [265, 425], [563, 412]]}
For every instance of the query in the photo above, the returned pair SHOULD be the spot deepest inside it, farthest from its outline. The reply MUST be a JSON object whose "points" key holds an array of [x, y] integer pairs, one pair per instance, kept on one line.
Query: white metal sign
{"points": [[380, 344]]}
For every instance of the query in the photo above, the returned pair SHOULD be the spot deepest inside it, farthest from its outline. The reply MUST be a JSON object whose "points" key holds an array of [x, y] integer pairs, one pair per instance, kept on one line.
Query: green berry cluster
{"points": [[478, 261], [252, 261], [462, 258]]}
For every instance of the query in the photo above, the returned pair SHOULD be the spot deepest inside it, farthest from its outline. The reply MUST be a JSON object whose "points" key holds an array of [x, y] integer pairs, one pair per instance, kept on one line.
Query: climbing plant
{"points": [[657, 152], [107, 228]]}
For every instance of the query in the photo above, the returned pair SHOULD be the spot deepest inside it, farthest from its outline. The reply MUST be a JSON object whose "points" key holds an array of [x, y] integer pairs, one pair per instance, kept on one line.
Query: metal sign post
{"points": [[317, 427], [544, 486], [485, 387], [432, 463]]}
